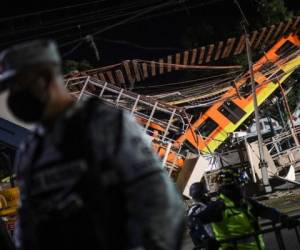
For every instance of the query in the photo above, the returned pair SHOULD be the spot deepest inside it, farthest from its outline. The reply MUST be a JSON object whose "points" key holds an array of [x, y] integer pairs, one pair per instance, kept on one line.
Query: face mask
{"points": [[25, 106]]}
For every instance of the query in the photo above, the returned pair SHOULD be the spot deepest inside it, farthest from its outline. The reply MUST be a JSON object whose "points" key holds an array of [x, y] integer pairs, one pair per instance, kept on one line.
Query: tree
{"points": [[273, 11], [72, 65]]}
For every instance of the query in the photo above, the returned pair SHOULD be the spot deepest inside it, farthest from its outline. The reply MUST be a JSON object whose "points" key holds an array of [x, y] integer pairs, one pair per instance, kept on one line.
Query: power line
{"points": [[135, 45], [72, 50], [100, 19], [142, 18], [148, 10], [134, 18], [178, 10], [188, 81], [185, 66], [206, 87], [102, 14], [186, 91], [60, 30], [36, 13]]}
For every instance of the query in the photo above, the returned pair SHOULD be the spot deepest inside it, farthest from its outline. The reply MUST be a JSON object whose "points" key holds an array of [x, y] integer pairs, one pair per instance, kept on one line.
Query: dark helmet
{"points": [[198, 190], [26, 56]]}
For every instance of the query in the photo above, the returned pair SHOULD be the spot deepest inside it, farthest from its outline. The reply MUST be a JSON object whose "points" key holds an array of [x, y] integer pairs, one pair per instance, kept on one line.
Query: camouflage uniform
{"points": [[91, 181]]}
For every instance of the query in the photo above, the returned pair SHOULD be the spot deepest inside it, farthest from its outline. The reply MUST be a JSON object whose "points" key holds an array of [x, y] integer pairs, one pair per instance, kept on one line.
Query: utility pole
{"points": [[262, 162]]}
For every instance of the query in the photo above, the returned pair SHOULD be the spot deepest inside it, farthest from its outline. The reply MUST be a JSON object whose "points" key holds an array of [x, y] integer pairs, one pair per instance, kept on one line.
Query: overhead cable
{"points": [[141, 13]]}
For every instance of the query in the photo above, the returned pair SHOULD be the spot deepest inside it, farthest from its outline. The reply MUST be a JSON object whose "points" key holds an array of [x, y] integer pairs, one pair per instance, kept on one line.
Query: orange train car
{"points": [[209, 131], [214, 126]]}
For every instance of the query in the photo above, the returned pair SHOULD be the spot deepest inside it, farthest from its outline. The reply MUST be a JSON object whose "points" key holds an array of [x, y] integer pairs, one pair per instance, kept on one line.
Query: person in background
{"points": [[240, 214], [203, 210], [87, 176]]}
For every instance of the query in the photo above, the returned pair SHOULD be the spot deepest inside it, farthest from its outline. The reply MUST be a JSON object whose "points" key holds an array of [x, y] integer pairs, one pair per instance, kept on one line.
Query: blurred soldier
{"points": [[201, 211], [88, 178], [240, 216]]}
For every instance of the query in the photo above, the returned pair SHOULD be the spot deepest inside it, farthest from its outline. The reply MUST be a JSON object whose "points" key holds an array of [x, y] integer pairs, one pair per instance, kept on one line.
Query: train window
{"points": [[271, 70], [207, 127], [277, 75], [267, 68], [232, 111], [287, 47], [190, 146]]}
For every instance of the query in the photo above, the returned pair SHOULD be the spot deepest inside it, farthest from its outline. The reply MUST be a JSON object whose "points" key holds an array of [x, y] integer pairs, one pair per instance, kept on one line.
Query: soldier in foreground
{"points": [[87, 176]]}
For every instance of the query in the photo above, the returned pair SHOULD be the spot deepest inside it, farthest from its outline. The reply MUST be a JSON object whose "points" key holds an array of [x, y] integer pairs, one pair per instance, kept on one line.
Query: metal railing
{"points": [[149, 112], [269, 228], [275, 143], [146, 109]]}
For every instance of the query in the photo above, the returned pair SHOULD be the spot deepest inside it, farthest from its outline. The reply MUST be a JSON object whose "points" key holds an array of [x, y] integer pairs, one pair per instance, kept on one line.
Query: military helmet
{"points": [[198, 190], [26, 56]]}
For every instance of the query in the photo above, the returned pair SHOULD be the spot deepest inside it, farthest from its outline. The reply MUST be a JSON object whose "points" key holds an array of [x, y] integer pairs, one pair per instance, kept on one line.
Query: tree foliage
{"points": [[273, 11], [72, 65], [209, 25]]}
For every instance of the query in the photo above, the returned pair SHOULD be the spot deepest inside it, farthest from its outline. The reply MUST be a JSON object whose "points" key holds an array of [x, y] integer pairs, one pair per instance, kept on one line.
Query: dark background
{"points": [[185, 24]]}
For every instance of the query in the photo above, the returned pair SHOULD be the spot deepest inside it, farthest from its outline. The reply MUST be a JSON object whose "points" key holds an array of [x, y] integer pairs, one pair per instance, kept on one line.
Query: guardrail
{"points": [[269, 227]]}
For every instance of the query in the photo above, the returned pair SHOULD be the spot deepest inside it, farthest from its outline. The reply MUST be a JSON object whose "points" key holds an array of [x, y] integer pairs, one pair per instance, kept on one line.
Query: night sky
{"points": [[148, 36]]}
